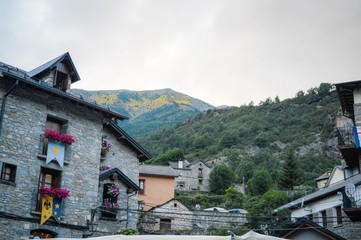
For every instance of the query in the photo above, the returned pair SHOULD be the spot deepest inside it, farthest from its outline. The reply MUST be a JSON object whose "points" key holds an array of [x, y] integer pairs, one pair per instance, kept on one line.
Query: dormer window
{"points": [[59, 73], [61, 81]]}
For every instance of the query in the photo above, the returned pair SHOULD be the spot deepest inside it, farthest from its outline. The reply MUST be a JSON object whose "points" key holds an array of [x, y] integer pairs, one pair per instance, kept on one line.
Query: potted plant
{"points": [[56, 136], [58, 193], [114, 190], [106, 146], [110, 209]]}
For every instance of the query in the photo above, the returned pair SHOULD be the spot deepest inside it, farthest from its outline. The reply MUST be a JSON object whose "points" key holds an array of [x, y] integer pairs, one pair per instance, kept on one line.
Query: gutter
{"points": [[3, 103]]}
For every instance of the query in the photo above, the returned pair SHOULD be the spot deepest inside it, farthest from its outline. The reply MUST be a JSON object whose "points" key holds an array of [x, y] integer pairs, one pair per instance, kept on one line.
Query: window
{"points": [[165, 224], [61, 81], [8, 172], [110, 203], [338, 212], [200, 181], [43, 233], [141, 185], [53, 124], [48, 178], [324, 218]]}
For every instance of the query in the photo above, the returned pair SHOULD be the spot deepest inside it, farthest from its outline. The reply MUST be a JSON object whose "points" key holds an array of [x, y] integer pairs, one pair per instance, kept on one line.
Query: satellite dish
{"points": [[350, 189]]}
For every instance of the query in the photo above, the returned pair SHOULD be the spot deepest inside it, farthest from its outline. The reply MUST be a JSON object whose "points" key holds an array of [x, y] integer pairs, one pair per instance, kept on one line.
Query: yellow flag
{"points": [[46, 209]]}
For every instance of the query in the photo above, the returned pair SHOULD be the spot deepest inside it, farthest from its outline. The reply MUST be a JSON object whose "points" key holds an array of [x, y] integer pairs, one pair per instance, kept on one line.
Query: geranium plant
{"points": [[114, 190], [54, 192], [111, 204], [106, 144], [52, 135], [103, 168], [67, 139], [56, 136]]}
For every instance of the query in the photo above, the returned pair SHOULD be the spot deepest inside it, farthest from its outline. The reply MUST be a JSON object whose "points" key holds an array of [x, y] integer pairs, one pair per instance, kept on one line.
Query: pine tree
{"points": [[291, 174]]}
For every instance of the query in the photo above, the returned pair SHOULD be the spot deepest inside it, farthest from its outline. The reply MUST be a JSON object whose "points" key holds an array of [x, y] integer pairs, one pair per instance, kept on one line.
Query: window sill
{"points": [[8, 182], [35, 213], [109, 219]]}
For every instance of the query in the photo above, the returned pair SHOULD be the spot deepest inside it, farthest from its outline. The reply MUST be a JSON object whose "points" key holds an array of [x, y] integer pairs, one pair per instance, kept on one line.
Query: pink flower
{"points": [[107, 144], [52, 135], [103, 168], [67, 138], [56, 136], [114, 190], [54, 192]]}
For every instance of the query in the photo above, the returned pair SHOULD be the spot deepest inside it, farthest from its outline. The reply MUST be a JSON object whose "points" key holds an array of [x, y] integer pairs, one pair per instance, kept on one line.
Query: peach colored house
{"points": [[157, 185]]}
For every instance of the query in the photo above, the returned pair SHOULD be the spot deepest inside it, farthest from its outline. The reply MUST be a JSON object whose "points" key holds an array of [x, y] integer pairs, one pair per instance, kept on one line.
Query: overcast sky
{"points": [[222, 52]]}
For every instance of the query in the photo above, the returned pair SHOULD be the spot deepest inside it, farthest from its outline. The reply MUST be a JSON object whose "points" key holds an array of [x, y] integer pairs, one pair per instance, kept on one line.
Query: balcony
{"points": [[352, 204], [348, 144]]}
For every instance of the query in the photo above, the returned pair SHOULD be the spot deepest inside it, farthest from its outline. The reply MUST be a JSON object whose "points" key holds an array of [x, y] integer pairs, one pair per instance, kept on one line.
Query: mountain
{"points": [[258, 135], [148, 111]]}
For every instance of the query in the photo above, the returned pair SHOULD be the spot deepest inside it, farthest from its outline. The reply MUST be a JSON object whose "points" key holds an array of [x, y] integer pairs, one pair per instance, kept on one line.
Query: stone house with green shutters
{"points": [[38, 113]]}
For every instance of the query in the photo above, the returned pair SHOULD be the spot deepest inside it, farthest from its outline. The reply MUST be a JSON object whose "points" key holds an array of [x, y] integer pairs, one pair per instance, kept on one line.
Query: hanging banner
{"points": [[46, 209], [357, 135], [50, 206], [57, 207], [56, 152]]}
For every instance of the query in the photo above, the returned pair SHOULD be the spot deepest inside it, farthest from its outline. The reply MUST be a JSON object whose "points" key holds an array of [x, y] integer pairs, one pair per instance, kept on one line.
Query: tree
{"points": [[291, 174], [220, 178], [170, 156], [233, 158], [234, 198], [260, 182]]}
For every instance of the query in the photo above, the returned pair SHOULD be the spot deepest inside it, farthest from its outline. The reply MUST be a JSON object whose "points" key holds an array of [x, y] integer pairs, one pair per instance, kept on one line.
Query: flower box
{"points": [[56, 136]]}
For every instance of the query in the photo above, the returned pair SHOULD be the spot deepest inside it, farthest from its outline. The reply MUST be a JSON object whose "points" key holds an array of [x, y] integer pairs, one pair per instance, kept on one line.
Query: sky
{"points": [[223, 52]]}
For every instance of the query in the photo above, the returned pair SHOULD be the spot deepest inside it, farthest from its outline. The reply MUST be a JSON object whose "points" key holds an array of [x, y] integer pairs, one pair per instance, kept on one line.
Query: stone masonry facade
{"points": [[25, 114]]}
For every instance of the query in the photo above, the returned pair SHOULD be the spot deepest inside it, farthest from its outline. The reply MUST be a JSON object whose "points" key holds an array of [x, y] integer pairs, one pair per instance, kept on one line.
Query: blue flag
{"points": [[57, 207], [355, 134]]}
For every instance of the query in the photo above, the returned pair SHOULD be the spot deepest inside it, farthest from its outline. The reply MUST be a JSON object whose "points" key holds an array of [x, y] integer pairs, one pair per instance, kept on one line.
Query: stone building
{"points": [[39, 114], [173, 217], [193, 176], [336, 204], [157, 185]]}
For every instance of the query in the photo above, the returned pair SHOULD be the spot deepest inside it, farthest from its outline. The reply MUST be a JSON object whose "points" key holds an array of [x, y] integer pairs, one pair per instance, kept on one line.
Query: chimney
{"points": [[180, 164]]}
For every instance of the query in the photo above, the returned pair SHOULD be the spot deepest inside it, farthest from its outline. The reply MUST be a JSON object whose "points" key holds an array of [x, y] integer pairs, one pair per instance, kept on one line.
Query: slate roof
{"points": [[52, 63], [187, 164], [322, 193], [127, 181], [9, 73], [157, 170], [175, 165], [143, 154], [324, 176], [345, 95], [303, 225], [170, 200]]}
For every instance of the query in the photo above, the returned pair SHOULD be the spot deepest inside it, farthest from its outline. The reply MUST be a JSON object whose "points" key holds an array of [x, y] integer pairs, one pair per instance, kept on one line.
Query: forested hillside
{"points": [[148, 111], [250, 138]]}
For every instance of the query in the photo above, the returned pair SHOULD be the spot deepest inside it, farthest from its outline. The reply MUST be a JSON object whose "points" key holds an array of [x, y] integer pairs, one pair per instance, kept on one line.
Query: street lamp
{"points": [[141, 205]]}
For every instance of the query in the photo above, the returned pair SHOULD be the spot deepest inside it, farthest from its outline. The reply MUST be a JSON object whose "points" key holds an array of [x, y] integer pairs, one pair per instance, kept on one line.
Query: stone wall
{"points": [[194, 177], [25, 115], [185, 221]]}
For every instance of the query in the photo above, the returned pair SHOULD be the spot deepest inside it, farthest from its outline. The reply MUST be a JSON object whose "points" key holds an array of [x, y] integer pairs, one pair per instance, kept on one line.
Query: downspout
{"points": [[4, 102], [135, 192]]}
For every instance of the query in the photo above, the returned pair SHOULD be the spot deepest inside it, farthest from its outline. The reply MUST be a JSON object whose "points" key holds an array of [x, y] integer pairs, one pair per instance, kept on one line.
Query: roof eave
{"points": [[69, 97]]}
